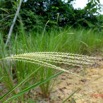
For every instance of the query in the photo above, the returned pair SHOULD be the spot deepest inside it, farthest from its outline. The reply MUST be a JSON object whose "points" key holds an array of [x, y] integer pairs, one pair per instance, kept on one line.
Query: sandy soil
{"points": [[89, 87]]}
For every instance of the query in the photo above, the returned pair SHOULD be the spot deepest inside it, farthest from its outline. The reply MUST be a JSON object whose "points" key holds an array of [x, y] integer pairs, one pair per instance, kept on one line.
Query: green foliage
{"points": [[31, 20], [35, 14], [15, 75], [7, 11]]}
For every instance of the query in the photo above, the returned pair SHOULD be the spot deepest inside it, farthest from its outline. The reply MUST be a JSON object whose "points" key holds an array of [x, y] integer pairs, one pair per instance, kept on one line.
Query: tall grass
{"points": [[65, 40], [15, 75]]}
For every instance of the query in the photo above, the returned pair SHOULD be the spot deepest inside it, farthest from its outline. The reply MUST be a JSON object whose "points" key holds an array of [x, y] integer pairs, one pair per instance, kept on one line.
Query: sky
{"points": [[82, 3]]}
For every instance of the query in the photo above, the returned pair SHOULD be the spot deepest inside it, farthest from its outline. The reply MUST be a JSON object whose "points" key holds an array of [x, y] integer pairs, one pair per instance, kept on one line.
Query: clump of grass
{"points": [[50, 59], [54, 43], [65, 40]]}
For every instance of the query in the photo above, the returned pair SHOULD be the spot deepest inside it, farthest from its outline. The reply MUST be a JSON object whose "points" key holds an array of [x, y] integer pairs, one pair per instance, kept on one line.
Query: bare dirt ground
{"points": [[90, 87]]}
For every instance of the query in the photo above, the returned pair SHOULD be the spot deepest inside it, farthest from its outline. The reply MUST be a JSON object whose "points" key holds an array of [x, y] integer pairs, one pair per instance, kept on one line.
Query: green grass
{"points": [[79, 41], [65, 40]]}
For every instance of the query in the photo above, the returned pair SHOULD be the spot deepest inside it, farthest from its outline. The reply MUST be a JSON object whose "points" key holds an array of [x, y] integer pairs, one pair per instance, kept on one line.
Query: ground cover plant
{"points": [[15, 75]]}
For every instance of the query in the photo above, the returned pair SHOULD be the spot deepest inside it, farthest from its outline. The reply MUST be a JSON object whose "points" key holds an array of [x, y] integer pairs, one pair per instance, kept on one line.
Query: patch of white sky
{"points": [[82, 3]]}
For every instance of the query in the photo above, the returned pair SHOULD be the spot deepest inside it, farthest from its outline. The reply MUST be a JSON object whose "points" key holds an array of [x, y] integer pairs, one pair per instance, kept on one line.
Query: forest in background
{"points": [[35, 14]]}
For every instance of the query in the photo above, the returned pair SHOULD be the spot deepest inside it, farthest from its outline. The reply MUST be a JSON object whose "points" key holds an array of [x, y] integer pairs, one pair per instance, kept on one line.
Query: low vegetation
{"points": [[45, 50], [44, 41]]}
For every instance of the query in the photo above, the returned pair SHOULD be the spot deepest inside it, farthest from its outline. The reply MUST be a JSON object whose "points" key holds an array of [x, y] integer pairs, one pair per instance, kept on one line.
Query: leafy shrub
{"points": [[35, 14], [31, 20]]}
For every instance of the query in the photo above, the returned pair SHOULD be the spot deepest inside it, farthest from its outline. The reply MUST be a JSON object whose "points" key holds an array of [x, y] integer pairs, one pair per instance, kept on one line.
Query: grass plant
{"points": [[45, 49], [64, 40]]}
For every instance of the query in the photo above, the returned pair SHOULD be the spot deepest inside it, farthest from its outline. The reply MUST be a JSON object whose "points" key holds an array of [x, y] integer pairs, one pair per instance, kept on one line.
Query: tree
{"points": [[35, 14]]}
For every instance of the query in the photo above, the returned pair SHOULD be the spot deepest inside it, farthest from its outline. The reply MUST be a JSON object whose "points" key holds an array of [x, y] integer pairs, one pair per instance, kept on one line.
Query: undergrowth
{"points": [[19, 77]]}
